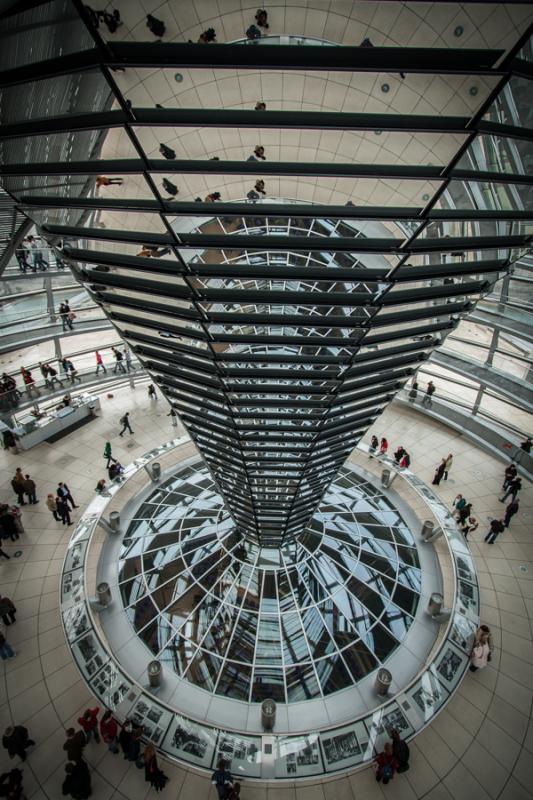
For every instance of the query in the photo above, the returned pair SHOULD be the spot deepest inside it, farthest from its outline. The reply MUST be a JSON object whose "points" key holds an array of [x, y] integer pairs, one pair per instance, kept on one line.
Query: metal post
{"points": [[383, 681], [103, 592], [268, 714], [435, 604], [387, 477], [427, 529], [50, 298], [154, 671], [114, 521]]}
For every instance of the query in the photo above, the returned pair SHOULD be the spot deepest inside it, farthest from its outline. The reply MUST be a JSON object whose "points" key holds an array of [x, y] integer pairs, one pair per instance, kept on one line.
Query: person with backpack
{"points": [[152, 774], [222, 780], [386, 764], [125, 422]]}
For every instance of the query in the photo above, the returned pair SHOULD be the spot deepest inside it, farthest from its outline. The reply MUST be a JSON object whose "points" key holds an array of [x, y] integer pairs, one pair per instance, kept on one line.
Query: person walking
{"points": [[512, 489], [99, 363], [63, 510], [398, 454], [108, 454], [64, 492], [152, 774], [75, 744], [439, 472], [103, 180], [482, 649], [459, 503], [43, 369], [386, 764], [222, 779], [29, 383], [383, 447], [469, 525], [413, 392], [16, 741], [152, 394], [427, 400], [118, 360], [173, 417], [38, 258], [30, 490], [496, 527], [125, 422], [6, 651], [52, 506], [109, 731], [510, 511], [167, 152], [510, 475], [464, 513], [77, 781], [374, 444], [128, 359], [447, 468], [400, 751], [8, 524], [405, 461], [8, 610], [64, 314], [89, 723], [52, 376]]}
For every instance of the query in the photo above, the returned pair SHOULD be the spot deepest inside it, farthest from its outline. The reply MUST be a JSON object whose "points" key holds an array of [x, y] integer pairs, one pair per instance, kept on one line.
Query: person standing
{"points": [[152, 774], [222, 779], [37, 253], [405, 461], [30, 490], [52, 506], [469, 525], [173, 417], [512, 489], [77, 781], [427, 400], [128, 359], [52, 377], [448, 466], [400, 751], [16, 741], [8, 523], [510, 511], [439, 472], [109, 731], [383, 447], [11, 785], [6, 651], [74, 745], [464, 513], [63, 510], [374, 444], [459, 503], [125, 422], [64, 491], [398, 454], [413, 392], [125, 736], [89, 723], [29, 383], [17, 483], [482, 649], [386, 764], [152, 394], [510, 475], [43, 368], [526, 445], [118, 360], [7, 611], [496, 527], [99, 363]]}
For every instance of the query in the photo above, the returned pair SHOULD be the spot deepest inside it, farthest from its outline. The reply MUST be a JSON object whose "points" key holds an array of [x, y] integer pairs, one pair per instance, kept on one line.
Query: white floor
{"points": [[480, 747]]}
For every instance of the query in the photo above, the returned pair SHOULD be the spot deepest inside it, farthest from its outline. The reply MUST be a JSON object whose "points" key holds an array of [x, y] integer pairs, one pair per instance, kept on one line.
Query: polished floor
{"points": [[480, 747]]}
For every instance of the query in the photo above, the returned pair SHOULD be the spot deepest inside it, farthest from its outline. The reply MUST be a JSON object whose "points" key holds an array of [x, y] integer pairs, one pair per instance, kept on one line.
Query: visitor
{"points": [[74, 746], [405, 461], [99, 363], [8, 523], [52, 506], [448, 466], [413, 392], [108, 454], [17, 483], [512, 489], [30, 490], [464, 512], [383, 447], [173, 418], [207, 36], [152, 394], [125, 736], [526, 445], [64, 492], [118, 360], [125, 422], [398, 453], [386, 764], [109, 731], [103, 180], [11, 785], [167, 152], [213, 197], [400, 751], [469, 525], [427, 400], [155, 26], [29, 382], [63, 510], [459, 503], [261, 18], [496, 527], [37, 253], [260, 187], [16, 741], [510, 511], [77, 781], [127, 351], [439, 472], [482, 649], [89, 723], [374, 443], [8, 611], [6, 651], [170, 187], [510, 475], [152, 774], [253, 33], [260, 106], [222, 780], [259, 152]]}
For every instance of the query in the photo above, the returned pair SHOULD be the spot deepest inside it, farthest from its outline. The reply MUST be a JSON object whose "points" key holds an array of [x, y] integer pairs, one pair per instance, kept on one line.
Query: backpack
{"points": [[123, 420], [387, 772]]}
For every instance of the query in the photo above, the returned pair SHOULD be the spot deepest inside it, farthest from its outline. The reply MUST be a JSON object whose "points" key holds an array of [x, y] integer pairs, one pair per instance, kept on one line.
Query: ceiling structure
{"points": [[396, 193]]}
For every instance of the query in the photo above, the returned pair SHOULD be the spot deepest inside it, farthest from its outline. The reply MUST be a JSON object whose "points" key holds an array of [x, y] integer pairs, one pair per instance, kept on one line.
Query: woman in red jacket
{"points": [[89, 723], [386, 764], [109, 731]]}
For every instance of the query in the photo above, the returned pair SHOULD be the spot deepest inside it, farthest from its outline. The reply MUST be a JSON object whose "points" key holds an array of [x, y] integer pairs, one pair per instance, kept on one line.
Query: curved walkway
{"points": [[479, 748]]}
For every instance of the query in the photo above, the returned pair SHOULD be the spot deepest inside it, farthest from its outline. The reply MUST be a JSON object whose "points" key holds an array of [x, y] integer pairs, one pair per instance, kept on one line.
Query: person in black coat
{"points": [[77, 781], [63, 510], [400, 751], [439, 472], [16, 740]]}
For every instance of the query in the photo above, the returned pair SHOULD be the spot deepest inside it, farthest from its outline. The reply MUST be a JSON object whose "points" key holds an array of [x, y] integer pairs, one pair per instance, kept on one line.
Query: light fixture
{"points": [[425, 197], [385, 87], [178, 77], [459, 31], [473, 90], [378, 133]]}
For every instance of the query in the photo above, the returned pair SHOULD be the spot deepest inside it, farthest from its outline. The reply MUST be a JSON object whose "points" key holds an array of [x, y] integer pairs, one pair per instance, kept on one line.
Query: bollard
{"points": [[436, 533], [427, 529], [268, 714], [154, 670], [114, 520], [103, 593], [383, 681], [156, 471], [435, 604]]}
